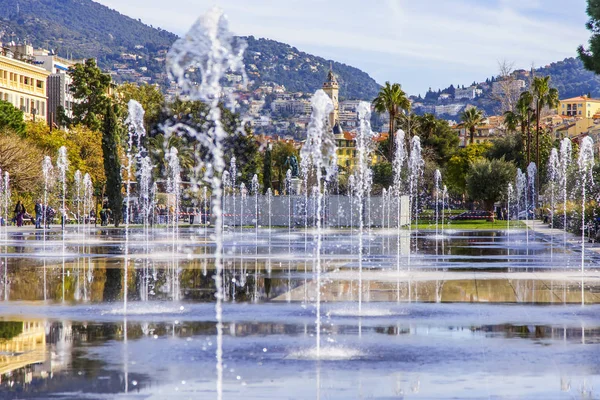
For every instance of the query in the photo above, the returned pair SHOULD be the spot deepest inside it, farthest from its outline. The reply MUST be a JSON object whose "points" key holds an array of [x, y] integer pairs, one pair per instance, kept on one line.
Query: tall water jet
{"points": [[136, 130], [415, 168], [399, 169], [47, 169], [566, 149], [62, 165], [88, 205], [255, 190], [586, 164], [210, 49], [174, 190], [362, 180], [319, 151], [510, 195], [77, 196], [437, 177], [531, 200], [553, 177]]}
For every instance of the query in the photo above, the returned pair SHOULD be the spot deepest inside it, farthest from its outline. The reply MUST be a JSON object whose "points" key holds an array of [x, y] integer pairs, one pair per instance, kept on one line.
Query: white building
{"points": [[58, 84], [468, 93]]}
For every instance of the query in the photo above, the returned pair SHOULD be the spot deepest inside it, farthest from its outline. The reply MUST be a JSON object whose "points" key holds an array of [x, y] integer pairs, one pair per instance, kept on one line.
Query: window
{"points": [[563, 106], [579, 112], [580, 105], [43, 109], [40, 84]]}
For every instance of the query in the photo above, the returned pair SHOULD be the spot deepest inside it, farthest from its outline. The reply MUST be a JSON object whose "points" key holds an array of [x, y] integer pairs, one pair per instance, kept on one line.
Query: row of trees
{"points": [[464, 167]]}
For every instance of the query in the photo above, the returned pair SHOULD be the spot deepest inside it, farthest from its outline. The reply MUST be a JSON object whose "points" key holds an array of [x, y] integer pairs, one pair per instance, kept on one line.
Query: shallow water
{"points": [[474, 316]]}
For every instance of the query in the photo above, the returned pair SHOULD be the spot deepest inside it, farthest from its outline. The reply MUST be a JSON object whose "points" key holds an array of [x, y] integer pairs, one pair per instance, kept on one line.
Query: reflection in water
{"points": [[418, 338]]}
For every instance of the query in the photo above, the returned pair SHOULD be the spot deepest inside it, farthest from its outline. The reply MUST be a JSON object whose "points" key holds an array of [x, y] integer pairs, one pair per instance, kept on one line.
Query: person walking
{"points": [[19, 213], [39, 214]]}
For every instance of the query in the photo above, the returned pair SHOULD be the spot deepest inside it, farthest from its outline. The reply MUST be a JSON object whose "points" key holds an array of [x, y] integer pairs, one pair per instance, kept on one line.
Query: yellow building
{"points": [[573, 128], [582, 106], [24, 85]]}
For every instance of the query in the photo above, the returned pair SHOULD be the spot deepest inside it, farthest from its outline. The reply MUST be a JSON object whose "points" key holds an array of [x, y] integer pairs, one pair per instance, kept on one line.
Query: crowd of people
{"points": [[42, 214]]}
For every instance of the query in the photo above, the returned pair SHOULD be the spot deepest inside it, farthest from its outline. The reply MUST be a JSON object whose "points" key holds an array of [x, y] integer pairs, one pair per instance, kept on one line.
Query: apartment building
{"points": [[23, 84]]}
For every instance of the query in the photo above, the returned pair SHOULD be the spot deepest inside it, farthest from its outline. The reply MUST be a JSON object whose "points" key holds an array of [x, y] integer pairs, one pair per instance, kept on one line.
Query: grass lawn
{"points": [[471, 225]]}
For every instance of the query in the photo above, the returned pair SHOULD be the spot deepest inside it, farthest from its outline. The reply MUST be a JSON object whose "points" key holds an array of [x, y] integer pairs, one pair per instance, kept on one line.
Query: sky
{"points": [[419, 44]]}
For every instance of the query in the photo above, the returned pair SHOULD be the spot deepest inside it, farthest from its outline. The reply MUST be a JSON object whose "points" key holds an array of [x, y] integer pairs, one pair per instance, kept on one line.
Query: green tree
{"points": [[11, 117], [90, 90], [591, 55], [459, 164], [545, 96], [280, 154], [267, 169], [149, 96], [470, 119], [158, 145], [437, 138], [383, 175], [112, 163], [508, 147], [393, 100], [521, 118], [487, 181]]}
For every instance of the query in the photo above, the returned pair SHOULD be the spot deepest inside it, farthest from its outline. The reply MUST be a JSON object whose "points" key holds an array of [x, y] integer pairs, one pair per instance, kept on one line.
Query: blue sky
{"points": [[420, 44]]}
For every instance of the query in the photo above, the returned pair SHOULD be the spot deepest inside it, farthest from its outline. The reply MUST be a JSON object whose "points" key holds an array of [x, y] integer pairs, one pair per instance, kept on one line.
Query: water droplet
{"points": [[134, 383], [265, 350]]}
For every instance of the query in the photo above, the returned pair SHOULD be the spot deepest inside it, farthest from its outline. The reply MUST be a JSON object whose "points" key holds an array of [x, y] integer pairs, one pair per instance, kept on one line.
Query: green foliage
{"points": [[437, 138], [267, 166], [90, 87], [10, 329], [22, 159], [591, 55], [459, 164], [11, 118], [510, 148], [112, 162], [149, 96], [470, 119], [280, 154], [487, 181], [383, 175], [520, 118], [391, 99]]}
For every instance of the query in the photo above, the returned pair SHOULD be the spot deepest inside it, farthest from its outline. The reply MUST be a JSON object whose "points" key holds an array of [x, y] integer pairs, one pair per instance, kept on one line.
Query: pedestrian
{"points": [[19, 213], [39, 214]]}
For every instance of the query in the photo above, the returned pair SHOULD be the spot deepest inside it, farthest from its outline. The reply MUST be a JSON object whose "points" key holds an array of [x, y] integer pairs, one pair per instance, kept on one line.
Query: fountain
{"points": [[586, 163], [319, 151], [565, 161], [415, 169], [209, 49]]}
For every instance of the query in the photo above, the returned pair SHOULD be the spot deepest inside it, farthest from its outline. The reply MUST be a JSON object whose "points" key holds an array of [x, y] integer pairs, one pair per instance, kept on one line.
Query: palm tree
{"points": [[545, 96], [521, 117], [470, 119], [159, 144], [427, 125], [393, 100]]}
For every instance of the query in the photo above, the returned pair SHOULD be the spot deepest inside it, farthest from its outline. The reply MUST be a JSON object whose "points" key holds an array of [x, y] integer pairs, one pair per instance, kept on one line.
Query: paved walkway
{"points": [[559, 236]]}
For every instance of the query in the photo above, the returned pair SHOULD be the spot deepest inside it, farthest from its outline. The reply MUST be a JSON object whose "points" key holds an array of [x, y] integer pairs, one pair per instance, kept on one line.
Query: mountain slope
{"points": [[83, 29]]}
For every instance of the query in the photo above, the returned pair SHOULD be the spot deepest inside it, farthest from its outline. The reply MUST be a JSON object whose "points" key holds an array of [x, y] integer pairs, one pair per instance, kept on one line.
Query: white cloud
{"points": [[445, 38]]}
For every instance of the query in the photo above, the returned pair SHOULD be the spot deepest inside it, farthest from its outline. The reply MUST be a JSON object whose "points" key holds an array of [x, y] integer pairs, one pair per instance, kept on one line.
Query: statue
{"points": [[292, 162]]}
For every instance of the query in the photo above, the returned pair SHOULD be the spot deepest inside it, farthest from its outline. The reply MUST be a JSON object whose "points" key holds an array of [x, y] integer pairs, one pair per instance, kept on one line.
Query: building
{"points": [[468, 93], [489, 130], [502, 87], [582, 106], [332, 89], [22, 83]]}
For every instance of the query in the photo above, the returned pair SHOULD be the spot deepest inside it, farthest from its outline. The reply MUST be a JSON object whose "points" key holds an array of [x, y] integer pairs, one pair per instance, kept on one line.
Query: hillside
{"points": [[271, 61], [134, 51], [571, 78]]}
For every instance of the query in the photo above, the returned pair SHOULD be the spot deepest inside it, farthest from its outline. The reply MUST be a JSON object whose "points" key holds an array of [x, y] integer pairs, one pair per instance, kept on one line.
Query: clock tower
{"points": [[332, 88]]}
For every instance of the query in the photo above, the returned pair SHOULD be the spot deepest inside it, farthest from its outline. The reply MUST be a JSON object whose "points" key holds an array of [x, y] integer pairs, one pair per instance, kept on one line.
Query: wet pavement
{"points": [[492, 314]]}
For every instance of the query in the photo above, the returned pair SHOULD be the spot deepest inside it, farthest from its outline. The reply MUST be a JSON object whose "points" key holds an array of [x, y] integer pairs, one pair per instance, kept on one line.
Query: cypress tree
{"points": [[267, 170], [112, 163]]}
